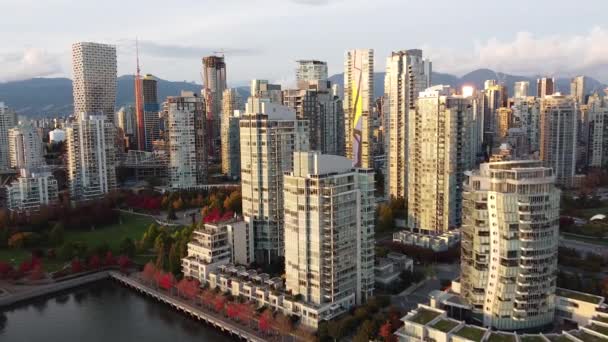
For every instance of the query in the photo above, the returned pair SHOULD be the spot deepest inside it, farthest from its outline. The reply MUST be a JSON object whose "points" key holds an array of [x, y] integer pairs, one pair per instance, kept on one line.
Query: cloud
{"points": [[164, 50], [312, 2], [29, 63], [528, 54]]}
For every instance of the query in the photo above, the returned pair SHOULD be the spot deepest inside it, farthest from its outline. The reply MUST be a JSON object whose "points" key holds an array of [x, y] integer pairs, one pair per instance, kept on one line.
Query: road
{"points": [[582, 246], [421, 294]]}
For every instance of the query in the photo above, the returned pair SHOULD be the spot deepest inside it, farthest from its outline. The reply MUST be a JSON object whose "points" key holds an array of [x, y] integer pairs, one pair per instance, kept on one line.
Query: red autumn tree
{"points": [[264, 323], [386, 331], [37, 272], [109, 260], [232, 310], [5, 269], [246, 312], [219, 302], [76, 266], [25, 266], [148, 272], [124, 262], [94, 262], [167, 280], [192, 288]]}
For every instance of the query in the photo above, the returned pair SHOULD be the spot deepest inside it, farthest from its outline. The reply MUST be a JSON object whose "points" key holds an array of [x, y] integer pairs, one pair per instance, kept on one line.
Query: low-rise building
{"points": [[217, 244], [31, 190], [387, 270], [263, 290], [577, 307], [437, 243]]}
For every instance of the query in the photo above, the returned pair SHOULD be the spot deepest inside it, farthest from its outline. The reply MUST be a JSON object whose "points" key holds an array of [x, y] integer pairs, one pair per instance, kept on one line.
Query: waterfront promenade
{"points": [[217, 320]]}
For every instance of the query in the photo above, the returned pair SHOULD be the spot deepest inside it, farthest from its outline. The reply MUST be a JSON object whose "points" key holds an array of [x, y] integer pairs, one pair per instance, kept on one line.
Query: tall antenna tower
{"points": [[139, 104]]}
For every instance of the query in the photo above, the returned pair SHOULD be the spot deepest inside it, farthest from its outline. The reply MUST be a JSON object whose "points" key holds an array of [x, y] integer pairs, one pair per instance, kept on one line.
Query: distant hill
{"points": [[53, 96], [477, 79]]}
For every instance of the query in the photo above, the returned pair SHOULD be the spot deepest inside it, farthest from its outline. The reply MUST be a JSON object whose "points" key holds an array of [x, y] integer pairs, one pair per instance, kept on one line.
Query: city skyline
{"points": [[531, 47]]}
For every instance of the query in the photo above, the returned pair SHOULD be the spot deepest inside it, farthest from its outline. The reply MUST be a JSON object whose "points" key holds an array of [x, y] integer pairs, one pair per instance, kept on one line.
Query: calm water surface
{"points": [[101, 312]]}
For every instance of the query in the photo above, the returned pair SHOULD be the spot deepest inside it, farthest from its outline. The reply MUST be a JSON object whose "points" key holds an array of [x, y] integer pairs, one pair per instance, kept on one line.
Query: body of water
{"points": [[102, 312]]}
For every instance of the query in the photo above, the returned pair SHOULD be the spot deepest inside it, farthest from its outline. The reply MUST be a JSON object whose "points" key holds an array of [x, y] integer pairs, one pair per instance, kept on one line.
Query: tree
{"points": [[366, 330], [166, 281], [76, 266], [37, 272], [109, 260], [218, 302], [234, 202], [386, 219], [127, 247], [283, 323], [386, 331], [149, 236], [124, 262], [56, 235], [148, 272], [94, 262], [264, 323]]}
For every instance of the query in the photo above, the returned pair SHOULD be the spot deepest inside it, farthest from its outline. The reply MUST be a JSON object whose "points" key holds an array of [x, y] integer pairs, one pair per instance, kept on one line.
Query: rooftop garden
{"points": [[496, 337], [578, 296], [471, 333], [601, 319], [599, 328], [423, 316], [444, 325], [586, 337]]}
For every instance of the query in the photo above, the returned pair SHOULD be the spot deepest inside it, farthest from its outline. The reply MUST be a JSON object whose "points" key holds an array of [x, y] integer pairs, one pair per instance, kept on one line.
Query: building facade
{"points": [[558, 136], [151, 111], [94, 79], [520, 89], [25, 147], [8, 119], [545, 86], [314, 101], [509, 244], [214, 76], [269, 134], [358, 106], [577, 89], [438, 158], [311, 71], [265, 90], [186, 128], [91, 161], [527, 110], [31, 191], [231, 154], [405, 79], [329, 224], [596, 131]]}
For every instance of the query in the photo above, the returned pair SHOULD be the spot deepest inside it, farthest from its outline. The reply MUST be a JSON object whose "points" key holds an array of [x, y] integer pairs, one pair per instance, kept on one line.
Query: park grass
{"points": [[130, 226]]}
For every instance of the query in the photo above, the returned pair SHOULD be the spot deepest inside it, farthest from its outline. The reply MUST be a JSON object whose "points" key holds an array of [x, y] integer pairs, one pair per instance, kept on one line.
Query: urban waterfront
{"points": [[104, 311]]}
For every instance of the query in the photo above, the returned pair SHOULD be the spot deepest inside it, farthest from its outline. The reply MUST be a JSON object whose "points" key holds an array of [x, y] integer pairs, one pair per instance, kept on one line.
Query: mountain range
{"points": [[53, 96]]}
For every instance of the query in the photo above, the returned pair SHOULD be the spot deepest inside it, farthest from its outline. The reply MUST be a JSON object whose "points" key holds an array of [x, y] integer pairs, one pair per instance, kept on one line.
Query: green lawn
{"points": [[584, 297], [131, 225], [471, 333], [531, 339], [495, 337], [444, 325], [424, 316], [590, 240]]}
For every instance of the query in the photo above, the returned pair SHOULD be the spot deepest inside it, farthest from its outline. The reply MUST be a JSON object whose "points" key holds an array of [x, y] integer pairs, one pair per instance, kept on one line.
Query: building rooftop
{"points": [[587, 337], [445, 325], [580, 296], [498, 337], [423, 316], [471, 333], [531, 338]]}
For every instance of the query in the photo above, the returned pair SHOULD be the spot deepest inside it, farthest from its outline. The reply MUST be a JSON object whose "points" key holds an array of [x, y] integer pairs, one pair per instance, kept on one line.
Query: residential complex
{"points": [[311, 71], [329, 228], [437, 160], [91, 158], [521, 89], [558, 136], [31, 191], [315, 102], [509, 244], [577, 89], [186, 137], [151, 111], [595, 131], [8, 119], [265, 90], [405, 79], [231, 155], [94, 79], [214, 83], [358, 106], [545, 86], [25, 147], [269, 134]]}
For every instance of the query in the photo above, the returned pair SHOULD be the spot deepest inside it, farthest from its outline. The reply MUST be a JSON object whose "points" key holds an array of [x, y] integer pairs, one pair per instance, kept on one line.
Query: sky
{"points": [[263, 38]]}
